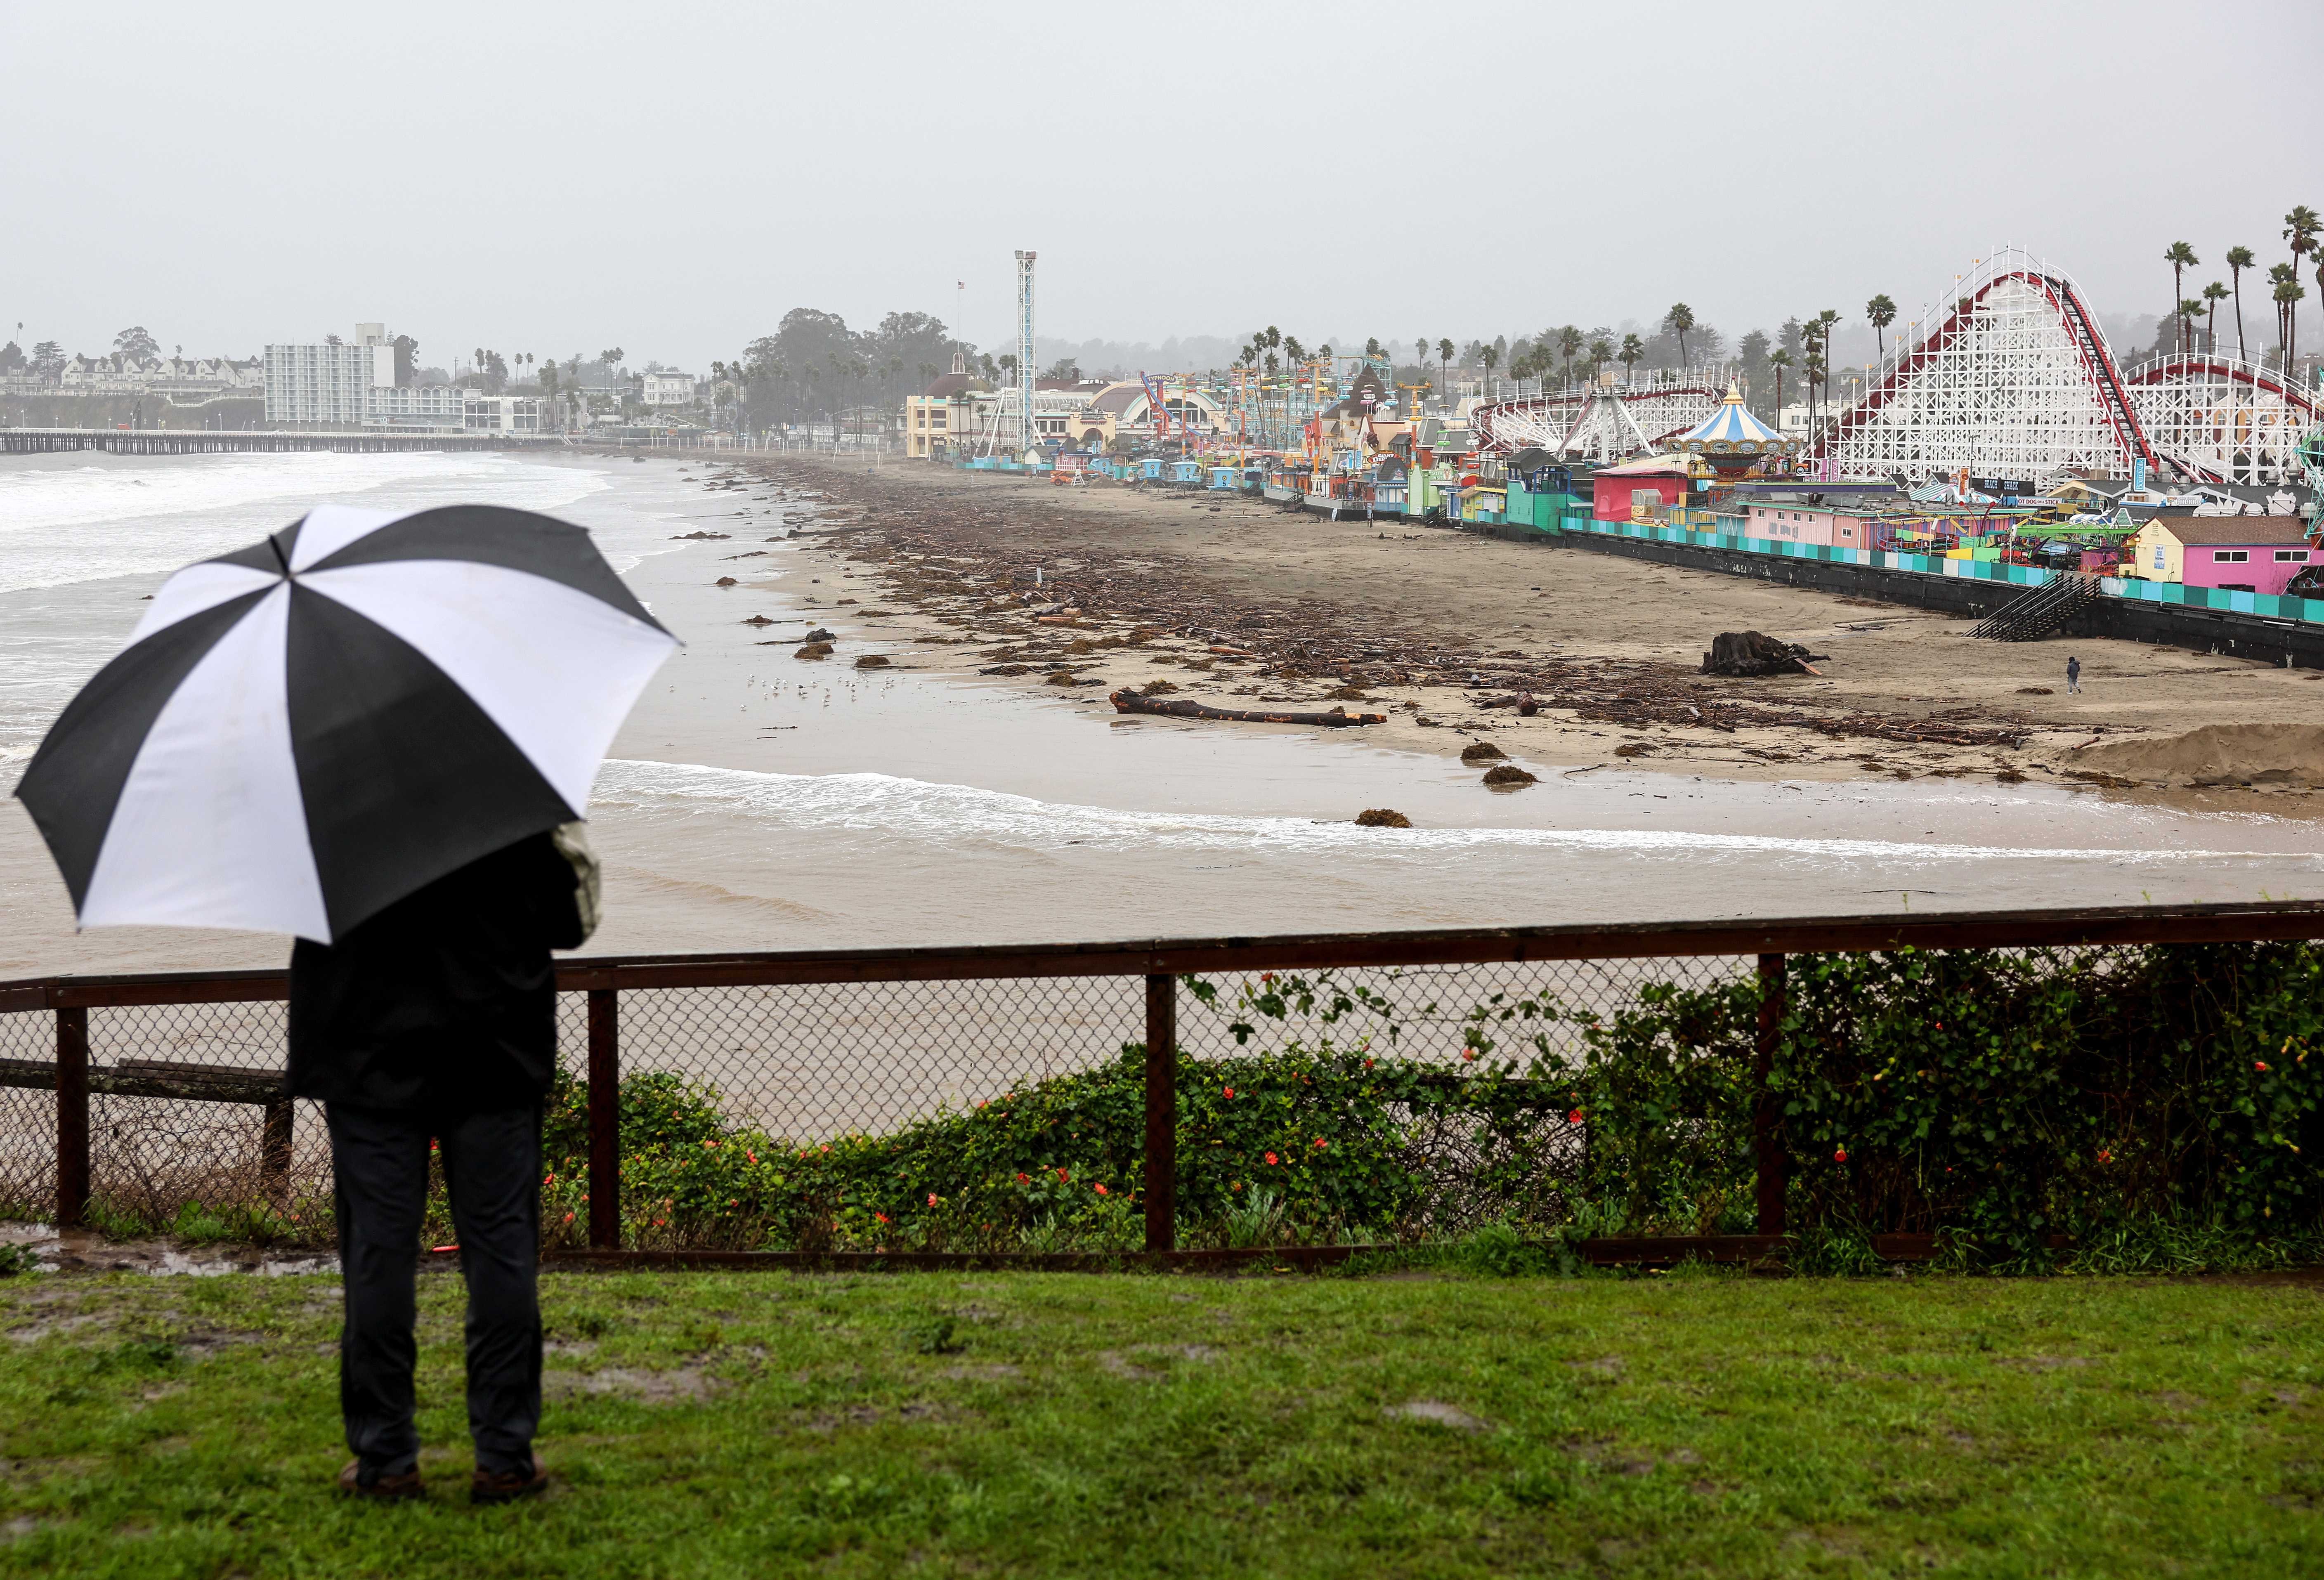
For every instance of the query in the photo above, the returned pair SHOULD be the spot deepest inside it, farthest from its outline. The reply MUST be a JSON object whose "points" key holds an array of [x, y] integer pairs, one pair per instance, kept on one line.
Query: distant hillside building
{"points": [[667, 388]]}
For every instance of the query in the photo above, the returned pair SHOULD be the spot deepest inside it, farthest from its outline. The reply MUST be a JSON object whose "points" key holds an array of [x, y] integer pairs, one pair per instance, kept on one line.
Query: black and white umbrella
{"points": [[305, 731]]}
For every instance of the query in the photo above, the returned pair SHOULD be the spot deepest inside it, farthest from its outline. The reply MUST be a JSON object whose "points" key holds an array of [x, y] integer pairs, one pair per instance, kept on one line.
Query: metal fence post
{"points": [[1161, 1113], [1769, 1149], [274, 1150], [604, 1119], [72, 1117]]}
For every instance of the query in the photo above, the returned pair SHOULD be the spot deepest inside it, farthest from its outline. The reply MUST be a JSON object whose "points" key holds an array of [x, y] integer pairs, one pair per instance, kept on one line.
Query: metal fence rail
{"points": [[154, 1092]]}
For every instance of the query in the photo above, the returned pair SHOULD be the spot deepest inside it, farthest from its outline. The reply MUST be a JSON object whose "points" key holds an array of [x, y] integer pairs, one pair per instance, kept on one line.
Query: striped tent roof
{"points": [[1732, 424]]}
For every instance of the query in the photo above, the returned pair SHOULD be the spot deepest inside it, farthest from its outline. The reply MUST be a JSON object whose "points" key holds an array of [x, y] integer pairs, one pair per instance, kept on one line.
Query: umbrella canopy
{"points": [[305, 731]]}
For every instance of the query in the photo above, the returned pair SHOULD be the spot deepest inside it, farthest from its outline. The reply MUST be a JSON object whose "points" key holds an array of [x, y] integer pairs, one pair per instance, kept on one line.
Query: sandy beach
{"points": [[1441, 630]]}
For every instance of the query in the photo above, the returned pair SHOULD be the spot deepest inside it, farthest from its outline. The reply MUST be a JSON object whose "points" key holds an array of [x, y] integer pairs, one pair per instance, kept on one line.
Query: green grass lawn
{"points": [[1027, 1424]]}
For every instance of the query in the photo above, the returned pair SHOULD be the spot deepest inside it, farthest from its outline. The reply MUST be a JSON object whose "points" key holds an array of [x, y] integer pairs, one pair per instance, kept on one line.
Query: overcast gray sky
{"points": [[565, 178]]}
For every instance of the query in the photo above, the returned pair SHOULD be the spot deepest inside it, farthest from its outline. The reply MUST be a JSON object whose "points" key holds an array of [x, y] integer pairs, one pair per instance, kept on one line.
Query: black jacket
{"points": [[446, 998]]}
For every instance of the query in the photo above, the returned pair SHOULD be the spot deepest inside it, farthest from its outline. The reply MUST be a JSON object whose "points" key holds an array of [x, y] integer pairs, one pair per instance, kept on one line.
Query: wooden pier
{"points": [[196, 441]]}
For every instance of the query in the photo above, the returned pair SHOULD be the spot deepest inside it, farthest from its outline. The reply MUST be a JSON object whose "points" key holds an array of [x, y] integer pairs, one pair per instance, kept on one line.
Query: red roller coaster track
{"points": [[2098, 365]]}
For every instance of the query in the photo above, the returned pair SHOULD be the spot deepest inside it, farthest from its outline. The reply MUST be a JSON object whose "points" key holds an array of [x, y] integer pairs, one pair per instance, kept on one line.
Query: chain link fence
{"points": [[1453, 1077]]}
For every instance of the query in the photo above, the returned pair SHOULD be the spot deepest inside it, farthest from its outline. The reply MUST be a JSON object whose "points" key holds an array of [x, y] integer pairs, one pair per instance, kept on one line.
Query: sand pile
{"points": [[2215, 754]]}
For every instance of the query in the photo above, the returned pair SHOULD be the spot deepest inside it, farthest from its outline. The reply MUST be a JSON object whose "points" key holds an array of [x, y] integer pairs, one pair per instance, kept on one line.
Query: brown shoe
{"points": [[506, 1486], [390, 1489]]}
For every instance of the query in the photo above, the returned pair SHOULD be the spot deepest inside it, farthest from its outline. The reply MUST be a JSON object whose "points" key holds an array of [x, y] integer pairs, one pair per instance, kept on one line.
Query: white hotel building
{"points": [[354, 384]]}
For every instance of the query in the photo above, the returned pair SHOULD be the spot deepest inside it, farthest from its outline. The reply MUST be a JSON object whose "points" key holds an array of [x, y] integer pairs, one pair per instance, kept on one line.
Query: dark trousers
{"points": [[491, 1166]]}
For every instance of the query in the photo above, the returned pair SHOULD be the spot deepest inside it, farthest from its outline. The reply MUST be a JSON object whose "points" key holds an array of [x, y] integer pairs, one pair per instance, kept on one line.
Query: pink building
{"points": [[2252, 554], [1787, 522]]}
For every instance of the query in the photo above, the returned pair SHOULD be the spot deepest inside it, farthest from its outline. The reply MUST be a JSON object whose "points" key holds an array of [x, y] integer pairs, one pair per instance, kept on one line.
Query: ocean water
{"points": [[755, 802]]}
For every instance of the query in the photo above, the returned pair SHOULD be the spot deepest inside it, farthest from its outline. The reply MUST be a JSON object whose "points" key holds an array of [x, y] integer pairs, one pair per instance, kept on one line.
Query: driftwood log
{"points": [[1126, 701], [1750, 653]]}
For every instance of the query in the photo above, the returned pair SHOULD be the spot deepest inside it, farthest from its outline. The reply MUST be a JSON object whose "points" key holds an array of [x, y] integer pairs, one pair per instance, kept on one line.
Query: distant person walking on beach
{"points": [[431, 1029], [2073, 675]]}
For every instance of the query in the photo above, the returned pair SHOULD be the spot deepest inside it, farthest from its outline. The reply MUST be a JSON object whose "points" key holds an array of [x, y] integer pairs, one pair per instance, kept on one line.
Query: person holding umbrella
{"points": [[377, 732]]}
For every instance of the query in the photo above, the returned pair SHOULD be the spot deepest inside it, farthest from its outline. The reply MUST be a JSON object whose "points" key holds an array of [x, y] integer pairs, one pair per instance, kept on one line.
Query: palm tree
{"points": [[1600, 354], [1823, 322], [1882, 313], [1488, 357], [2301, 227], [2214, 293], [1633, 348], [2189, 311], [1678, 321], [2180, 257], [1569, 342], [2238, 260], [1444, 370], [2288, 292], [1779, 359]]}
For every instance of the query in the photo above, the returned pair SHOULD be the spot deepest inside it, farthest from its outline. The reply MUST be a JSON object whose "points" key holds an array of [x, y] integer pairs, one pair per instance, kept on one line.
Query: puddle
{"points": [[80, 1251], [680, 1384], [1438, 1412]]}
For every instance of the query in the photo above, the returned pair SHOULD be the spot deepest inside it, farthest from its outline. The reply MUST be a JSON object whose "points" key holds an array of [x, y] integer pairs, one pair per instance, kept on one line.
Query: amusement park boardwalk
{"points": [[1441, 630]]}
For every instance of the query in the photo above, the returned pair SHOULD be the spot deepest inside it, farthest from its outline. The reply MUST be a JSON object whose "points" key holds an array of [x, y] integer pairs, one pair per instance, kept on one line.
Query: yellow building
{"points": [[941, 419]]}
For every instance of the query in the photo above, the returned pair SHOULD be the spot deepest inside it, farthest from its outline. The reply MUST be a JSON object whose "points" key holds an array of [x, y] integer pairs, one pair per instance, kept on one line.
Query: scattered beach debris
{"points": [[1159, 689], [1508, 776], [814, 650], [725, 581], [689, 537], [1482, 752], [2035, 692], [758, 620], [820, 635], [1382, 817], [1752, 653], [1127, 701], [1526, 707], [871, 661], [1632, 749]]}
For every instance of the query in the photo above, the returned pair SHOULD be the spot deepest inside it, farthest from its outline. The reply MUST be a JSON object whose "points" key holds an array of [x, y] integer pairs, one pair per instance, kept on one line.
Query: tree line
{"points": [[2303, 237]]}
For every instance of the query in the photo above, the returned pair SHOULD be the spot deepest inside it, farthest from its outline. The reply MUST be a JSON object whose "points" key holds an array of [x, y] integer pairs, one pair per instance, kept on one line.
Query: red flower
{"points": [[1267, 977], [1272, 1159], [2105, 1156], [1470, 1054], [1101, 1190], [2260, 1065], [1320, 1144], [932, 1198], [881, 1217], [1367, 1064], [568, 1217], [753, 1156], [1841, 1156], [1230, 1093], [1064, 1178], [1575, 1117], [549, 1179], [1024, 1180]]}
